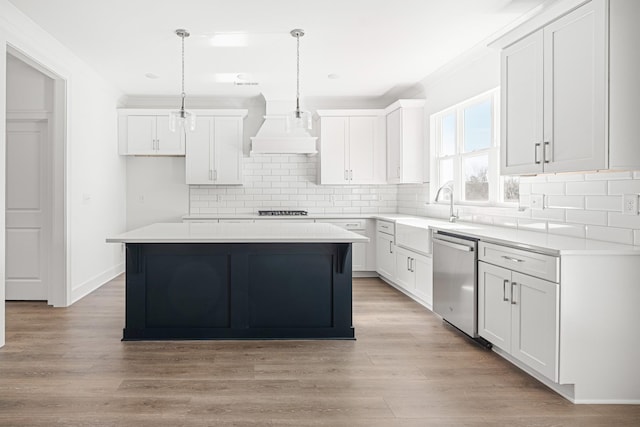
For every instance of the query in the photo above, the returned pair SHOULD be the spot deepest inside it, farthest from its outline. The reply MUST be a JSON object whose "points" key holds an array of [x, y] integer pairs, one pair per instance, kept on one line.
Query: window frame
{"points": [[496, 181]]}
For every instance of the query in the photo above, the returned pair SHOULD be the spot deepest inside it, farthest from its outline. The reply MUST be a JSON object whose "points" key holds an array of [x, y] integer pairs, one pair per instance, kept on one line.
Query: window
{"points": [[465, 152]]}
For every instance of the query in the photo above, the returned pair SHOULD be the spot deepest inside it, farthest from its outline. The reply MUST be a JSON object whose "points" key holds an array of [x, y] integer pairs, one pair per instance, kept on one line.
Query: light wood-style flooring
{"points": [[68, 367]]}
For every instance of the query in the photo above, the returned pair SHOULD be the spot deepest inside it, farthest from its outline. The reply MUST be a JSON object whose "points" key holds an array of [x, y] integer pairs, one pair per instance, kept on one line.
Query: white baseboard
{"points": [[95, 282]]}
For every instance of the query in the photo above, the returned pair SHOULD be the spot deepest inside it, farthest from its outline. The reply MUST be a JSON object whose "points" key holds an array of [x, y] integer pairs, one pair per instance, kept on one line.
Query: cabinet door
{"points": [[534, 333], [141, 132], [385, 255], [167, 142], [394, 153], [199, 155], [359, 256], [334, 162], [423, 270], [522, 106], [227, 137], [575, 90], [405, 277], [361, 144], [494, 305]]}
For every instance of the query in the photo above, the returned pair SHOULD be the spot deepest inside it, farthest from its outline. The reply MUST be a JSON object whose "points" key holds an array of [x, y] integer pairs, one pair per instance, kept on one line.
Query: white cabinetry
{"points": [[403, 258], [555, 81], [519, 313], [385, 249], [405, 142], [214, 150], [362, 257], [146, 133], [352, 147]]}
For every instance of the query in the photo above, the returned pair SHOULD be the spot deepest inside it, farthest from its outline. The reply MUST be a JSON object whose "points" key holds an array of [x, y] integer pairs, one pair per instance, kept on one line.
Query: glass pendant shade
{"points": [[182, 120], [299, 120]]}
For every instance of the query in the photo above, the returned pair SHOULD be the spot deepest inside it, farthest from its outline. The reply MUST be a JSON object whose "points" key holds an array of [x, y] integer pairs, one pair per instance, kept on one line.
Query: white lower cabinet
{"points": [[519, 314], [385, 255], [414, 274]]}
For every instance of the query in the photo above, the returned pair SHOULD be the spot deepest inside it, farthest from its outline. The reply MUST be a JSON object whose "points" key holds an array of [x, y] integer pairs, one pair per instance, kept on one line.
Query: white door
{"points": [[141, 134], [227, 137], [168, 142], [362, 138], [522, 114], [27, 228], [334, 164], [535, 323], [575, 90], [199, 155], [385, 256], [394, 138], [494, 305]]}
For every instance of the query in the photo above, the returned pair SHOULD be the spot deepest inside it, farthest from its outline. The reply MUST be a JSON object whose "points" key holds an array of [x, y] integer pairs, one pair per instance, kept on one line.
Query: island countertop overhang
{"points": [[238, 233]]}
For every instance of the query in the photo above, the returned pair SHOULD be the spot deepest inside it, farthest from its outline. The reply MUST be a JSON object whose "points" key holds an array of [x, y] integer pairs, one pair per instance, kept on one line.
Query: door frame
{"points": [[57, 213]]}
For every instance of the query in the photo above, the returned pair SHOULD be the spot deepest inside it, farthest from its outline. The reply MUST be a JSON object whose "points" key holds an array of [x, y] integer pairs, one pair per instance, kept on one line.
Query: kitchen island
{"points": [[238, 281]]}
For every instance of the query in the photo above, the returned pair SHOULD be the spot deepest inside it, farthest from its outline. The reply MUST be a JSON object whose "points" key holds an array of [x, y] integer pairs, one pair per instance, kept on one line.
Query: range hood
{"points": [[273, 137]]}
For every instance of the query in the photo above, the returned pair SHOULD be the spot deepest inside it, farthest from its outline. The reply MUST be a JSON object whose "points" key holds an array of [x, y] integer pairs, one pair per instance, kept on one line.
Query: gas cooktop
{"points": [[282, 213]]}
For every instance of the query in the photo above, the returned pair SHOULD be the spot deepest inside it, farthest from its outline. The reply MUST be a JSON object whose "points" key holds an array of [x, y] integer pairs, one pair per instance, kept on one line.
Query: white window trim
{"points": [[496, 185]]}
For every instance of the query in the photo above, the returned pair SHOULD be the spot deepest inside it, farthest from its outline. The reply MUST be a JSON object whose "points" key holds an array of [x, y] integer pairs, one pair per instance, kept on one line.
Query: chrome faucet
{"points": [[448, 186]]}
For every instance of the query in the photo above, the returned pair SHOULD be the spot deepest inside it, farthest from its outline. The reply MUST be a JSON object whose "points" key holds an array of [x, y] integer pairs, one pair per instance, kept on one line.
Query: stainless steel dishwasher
{"points": [[455, 280]]}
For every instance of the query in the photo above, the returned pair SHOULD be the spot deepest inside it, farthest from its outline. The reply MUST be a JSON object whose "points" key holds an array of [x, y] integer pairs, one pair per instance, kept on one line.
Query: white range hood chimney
{"points": [[273, 137]]}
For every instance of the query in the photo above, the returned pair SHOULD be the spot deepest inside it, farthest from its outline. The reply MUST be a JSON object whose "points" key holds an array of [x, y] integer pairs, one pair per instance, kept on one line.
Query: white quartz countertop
{"points": [[238, 233], [538, 241], [541, 242]]}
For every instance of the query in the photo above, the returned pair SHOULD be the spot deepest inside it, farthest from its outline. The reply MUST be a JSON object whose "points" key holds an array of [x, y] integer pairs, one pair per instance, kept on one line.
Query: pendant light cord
{"points": [[183, 94], [298, 76]]}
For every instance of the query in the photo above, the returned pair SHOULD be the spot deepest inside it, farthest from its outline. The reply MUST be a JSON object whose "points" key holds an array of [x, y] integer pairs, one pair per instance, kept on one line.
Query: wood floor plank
{"points": [[68, 367]]}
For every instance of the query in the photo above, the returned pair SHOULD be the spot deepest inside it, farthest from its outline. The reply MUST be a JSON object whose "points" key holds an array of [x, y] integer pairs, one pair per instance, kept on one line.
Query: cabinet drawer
{"points": [[386, 227], [534, 264], [350, 224]]}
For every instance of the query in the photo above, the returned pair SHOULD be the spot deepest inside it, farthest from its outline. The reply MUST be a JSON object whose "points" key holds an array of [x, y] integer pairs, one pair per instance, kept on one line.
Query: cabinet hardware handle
{"points": [[544, 151], [390, 247], [535, 153], [513, 293], [350, 175], [408, 264], [411, 264], [346, 175], [504, 290], [512, 259], [352, 225]]}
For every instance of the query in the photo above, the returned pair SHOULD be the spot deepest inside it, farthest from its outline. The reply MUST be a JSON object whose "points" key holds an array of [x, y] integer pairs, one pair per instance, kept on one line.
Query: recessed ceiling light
{"points": [[333, 76], [230, 40], [152, 76]]}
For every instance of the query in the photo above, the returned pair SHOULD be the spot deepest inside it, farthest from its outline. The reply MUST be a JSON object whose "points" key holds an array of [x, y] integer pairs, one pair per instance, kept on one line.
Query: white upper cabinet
{"points": [[405, 142], [214, 150], [352, 147], [146, 133], [555, 82]]}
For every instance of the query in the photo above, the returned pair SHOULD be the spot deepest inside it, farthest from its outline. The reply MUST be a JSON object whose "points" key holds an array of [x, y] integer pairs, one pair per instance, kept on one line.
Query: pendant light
{"points": [[298, 119], [182, 119]]}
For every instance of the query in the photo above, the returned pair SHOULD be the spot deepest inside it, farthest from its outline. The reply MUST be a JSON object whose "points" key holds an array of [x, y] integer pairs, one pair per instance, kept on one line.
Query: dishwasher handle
{"points": [[457, 246]]}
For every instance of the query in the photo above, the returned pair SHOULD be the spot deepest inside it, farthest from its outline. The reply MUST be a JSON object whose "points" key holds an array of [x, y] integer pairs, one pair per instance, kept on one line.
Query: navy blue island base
{"points": [[180, 291]]}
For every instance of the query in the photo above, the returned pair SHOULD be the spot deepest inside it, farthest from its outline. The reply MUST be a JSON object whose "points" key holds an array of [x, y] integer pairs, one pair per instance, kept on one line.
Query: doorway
{"points": [[35, 251]]}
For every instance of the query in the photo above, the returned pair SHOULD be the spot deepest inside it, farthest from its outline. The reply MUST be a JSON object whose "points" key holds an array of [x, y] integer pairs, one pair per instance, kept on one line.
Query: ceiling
{"points": [[371, 46]]}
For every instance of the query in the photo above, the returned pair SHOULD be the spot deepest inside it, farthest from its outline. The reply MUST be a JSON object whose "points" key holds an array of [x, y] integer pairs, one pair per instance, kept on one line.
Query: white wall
{"points": [[156, 190], [95, 181]]}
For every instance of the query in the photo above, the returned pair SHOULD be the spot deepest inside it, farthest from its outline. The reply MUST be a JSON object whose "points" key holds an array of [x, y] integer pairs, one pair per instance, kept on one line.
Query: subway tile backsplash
{"points": [[580, 205], [282, 182]]}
